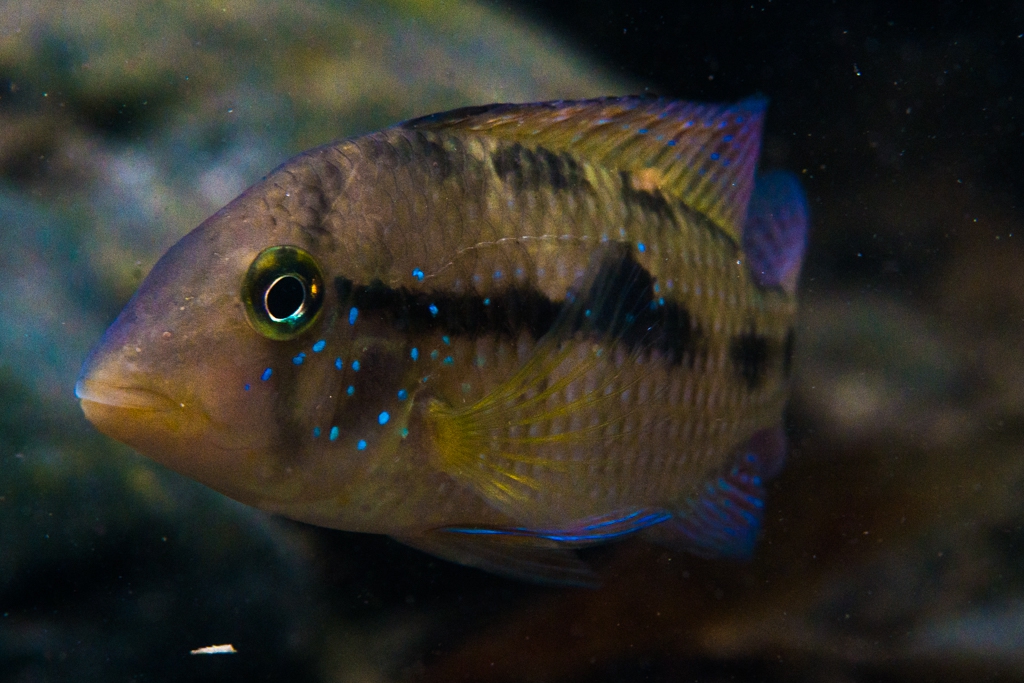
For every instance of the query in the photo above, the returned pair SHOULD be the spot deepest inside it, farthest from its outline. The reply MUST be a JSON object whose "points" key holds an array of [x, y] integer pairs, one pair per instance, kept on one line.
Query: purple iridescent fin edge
{"points": [[775, 232], [723, 519]]}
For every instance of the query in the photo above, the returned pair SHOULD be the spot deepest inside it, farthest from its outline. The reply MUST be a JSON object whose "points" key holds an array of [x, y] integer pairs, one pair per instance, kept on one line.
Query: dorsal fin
{"points": [[701, 154]]}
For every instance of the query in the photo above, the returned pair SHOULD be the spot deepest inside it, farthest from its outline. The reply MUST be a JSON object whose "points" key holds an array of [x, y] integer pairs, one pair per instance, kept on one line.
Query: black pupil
{"points": [[285, 297]]}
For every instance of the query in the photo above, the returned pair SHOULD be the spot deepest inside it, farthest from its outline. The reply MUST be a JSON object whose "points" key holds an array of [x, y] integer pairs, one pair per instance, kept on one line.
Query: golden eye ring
{"points": [[283, 292]]}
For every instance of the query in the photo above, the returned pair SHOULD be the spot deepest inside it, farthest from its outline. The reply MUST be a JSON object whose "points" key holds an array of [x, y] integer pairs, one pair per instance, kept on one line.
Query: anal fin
{"points": [[723, 518], [533, 559]]}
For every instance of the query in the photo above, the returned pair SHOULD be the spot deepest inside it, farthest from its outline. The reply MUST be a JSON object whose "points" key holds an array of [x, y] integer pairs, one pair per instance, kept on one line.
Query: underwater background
{"points": [[894, 539]]}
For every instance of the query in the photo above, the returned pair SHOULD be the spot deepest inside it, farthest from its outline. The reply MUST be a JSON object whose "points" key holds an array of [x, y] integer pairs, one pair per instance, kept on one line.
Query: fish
{"points": [[497, 334]]}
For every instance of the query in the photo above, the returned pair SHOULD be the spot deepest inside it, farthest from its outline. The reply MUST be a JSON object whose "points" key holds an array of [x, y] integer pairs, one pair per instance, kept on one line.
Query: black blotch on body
{"points": [[652, 203], [525, 169], [433, 152], [617, 303], [621, 303], [749, 353]]}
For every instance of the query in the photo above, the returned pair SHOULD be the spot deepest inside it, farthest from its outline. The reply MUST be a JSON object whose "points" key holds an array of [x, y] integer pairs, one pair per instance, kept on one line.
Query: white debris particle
{"points": [[216, 650]]}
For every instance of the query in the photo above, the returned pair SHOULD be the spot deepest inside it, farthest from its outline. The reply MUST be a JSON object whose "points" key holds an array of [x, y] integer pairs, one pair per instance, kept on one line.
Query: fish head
{"points": [[199, 371]]}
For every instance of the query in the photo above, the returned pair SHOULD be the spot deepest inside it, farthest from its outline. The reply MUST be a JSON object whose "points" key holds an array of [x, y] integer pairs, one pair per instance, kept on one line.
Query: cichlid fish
{"points": [[496, 334]]}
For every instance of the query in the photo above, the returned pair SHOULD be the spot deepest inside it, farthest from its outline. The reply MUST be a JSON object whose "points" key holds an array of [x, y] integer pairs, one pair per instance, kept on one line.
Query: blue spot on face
{"points": [[319, 346], [266, 374], [415, 353], [353, 313], [727, 138], [338, 364], [434, 354], [351, 390], [383, 417], [487, 301], [361, 445], [671, 143], [334, 434], [433, 309], [355, 366], [299, 358], [714, 156], [417, 273], [247, 387], [586, 313], [642, 131], [641, 246], [739, 119], [497, 275], [446, 339], [405, 432], [316, 432], [448, 360], [402, 393]]}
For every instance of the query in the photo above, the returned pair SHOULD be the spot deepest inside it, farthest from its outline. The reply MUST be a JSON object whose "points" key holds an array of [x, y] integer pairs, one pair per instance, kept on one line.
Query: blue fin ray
{"points": [[596, 529]]}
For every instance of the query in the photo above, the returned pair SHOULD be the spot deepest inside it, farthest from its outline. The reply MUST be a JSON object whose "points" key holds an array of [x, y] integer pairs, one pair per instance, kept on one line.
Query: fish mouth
{"points": [[122, 397]]}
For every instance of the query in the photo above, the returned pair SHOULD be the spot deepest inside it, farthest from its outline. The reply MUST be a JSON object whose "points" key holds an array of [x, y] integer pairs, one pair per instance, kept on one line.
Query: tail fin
{"points": [[775, 233]]}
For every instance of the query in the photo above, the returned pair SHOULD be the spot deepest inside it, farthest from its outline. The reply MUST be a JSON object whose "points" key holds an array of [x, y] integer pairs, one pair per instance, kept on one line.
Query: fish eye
{"points": [[283, 291], [285, 298]]}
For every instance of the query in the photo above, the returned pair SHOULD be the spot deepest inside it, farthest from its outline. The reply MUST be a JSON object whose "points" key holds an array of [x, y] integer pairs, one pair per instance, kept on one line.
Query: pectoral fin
{"points": [[505, 445]]}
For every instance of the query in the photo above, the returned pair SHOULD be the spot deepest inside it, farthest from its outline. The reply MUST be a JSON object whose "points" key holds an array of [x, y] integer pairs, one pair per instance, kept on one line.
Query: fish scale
{"points": [[496, 334]]}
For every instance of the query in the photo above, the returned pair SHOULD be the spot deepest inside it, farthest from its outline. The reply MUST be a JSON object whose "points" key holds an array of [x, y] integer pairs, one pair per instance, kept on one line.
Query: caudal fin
{"points": [[775, 233]]}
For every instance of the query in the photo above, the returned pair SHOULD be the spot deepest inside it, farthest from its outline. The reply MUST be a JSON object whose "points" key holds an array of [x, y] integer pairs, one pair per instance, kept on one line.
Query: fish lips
{"points": [[94, 393]]}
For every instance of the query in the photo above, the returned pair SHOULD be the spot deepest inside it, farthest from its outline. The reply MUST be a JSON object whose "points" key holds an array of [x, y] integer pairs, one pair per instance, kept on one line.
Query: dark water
{"points": [[894, 543]]}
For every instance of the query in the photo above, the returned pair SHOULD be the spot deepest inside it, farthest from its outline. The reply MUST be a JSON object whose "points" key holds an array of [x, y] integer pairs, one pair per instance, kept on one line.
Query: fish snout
{"points": [[91, 390]]}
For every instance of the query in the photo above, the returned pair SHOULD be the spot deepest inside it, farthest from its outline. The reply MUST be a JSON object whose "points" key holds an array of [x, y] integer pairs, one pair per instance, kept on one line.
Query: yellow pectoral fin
{"points": [[567, 394]]}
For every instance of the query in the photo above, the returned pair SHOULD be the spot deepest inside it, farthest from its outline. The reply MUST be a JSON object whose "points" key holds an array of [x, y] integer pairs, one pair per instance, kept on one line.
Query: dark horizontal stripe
{"points": [[619, 303], [506, 314]]}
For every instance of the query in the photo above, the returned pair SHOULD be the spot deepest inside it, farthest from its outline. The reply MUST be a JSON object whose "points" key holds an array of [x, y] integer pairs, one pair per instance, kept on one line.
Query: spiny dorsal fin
{"points": [[701, 154]]}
